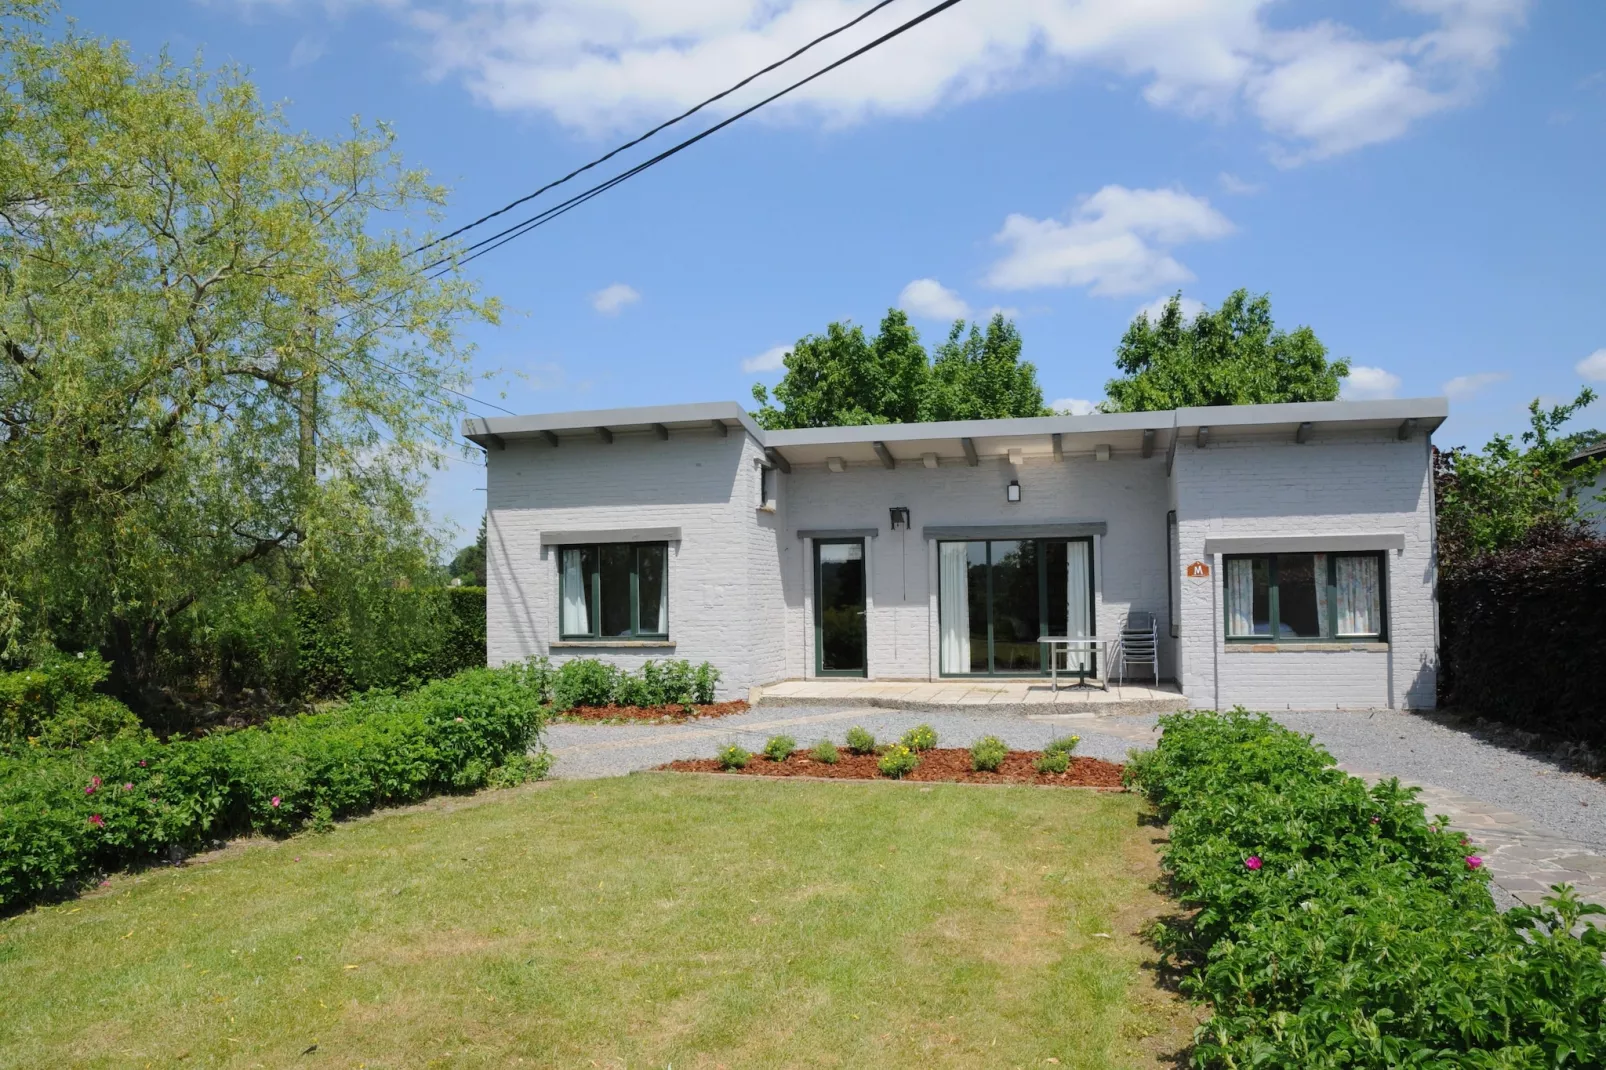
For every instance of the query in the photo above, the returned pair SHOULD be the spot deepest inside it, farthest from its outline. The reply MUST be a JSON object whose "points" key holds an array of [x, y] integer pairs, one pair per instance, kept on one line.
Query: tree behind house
{"points": [[1233, 355], [844, 378]]}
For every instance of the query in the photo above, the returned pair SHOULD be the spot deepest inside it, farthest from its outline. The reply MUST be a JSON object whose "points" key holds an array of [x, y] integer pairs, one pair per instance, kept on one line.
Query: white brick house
{"points": [[1285, 552]]}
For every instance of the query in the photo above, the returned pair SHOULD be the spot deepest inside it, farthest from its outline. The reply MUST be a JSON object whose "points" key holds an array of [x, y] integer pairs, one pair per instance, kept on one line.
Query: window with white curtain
{"points": [[1304, 597], [996, 598], [614, 591]]}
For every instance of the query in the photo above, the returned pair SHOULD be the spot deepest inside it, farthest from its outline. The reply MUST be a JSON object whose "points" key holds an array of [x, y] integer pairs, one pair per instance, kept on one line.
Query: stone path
{"points": [[1523, 858]]}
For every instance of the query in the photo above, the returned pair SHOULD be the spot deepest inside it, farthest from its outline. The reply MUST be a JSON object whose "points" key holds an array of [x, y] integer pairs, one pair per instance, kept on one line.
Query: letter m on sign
{"points": [[1198, 570]]}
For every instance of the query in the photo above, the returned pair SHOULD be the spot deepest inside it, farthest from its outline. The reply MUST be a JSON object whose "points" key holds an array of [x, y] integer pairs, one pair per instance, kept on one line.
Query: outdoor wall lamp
{"points": [[900, 518], [1012, 493]]}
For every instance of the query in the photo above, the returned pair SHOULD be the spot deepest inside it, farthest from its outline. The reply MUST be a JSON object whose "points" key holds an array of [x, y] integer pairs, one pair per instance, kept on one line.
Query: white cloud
{"points": [[308, 50], [1074, 406], [1231, 183], [1156, 308], [1116, 242], [771, 360], [611, 300], [1593, 367], [932, 300], [1366, 383], [1464, 386], [1319, 88]]}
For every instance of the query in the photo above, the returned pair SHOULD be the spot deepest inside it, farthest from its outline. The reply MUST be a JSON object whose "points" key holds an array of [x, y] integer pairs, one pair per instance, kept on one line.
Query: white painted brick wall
{"points": [[741, 587], [1127, 492], [1354, 484], [724, 585]]}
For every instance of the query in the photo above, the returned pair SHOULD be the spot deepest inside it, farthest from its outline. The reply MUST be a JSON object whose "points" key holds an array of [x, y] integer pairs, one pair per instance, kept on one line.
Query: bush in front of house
{"points": [[590, 682], [1065, 745], [779, 748], [1331, 924], [734, 757], [987, 754], [66, 816], [825, 752], [898, 761], [921, 737], [860, 741]]}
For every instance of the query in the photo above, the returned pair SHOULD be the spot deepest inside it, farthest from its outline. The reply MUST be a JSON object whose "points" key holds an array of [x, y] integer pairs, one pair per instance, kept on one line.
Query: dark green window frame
{"points": [[1042, 609], [1332, 636], [595, 616]]}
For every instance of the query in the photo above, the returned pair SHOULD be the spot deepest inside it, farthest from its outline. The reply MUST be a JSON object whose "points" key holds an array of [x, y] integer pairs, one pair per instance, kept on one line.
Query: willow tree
{"points": [[221, 375]]}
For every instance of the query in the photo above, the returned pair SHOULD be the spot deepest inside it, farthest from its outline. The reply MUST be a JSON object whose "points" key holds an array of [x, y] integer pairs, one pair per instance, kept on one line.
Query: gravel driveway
{"points": [[588, 750], [1396, 744]]}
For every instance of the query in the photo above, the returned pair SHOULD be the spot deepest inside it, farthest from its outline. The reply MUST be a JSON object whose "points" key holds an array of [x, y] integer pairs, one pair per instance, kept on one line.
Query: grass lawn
{"points": [[644, 921]]}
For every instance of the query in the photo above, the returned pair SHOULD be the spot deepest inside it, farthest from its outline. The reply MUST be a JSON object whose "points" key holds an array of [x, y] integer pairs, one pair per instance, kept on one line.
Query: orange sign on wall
{"points": [[1198, 571]]}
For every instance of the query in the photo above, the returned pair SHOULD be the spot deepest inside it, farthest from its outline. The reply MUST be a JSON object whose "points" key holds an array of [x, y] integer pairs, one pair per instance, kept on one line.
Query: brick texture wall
{"points": [[1349, 484]]}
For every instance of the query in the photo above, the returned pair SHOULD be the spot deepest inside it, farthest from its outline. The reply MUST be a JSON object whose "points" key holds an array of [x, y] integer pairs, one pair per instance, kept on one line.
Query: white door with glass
{"points": [[997, 598]]}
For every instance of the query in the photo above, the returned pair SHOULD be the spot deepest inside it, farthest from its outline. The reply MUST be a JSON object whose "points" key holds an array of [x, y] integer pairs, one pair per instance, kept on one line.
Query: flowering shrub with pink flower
{"points": [[61, 824], [1333, 925]]}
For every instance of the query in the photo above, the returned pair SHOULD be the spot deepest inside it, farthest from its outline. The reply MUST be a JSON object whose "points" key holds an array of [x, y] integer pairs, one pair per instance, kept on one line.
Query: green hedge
{"points": [[66, 817], [396, 639], [589, 682], [53, 702], [1334, 926]]}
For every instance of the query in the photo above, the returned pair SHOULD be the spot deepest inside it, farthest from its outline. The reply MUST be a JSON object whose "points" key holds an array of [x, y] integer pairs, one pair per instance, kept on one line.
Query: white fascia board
{"points": [[585, 420], [973, 429], [1430, 412]]}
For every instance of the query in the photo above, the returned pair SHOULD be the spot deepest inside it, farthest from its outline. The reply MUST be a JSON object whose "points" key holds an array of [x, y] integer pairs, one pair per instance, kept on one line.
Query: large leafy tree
{"points": [[220, 376], [844, 378], [978, 376], [1493, 499], [1232, 355]]}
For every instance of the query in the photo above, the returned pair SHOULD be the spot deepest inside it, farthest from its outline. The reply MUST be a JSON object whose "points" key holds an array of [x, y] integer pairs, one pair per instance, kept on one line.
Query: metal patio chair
{"points": [[1140, 644]]}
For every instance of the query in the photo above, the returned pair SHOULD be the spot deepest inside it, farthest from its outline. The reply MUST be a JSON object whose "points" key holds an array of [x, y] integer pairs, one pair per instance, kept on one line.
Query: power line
{"points": [[438, 386], [502, 237], [655, 130]]}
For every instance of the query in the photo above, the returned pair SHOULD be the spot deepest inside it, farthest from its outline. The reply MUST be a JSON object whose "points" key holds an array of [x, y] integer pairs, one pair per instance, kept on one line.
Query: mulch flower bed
{"points": [[935, 765], [650, 713]]}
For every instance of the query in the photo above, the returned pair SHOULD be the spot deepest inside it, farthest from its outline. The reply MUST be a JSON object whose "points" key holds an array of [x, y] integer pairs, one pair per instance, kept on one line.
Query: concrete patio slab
{"points": [[1028, 696]]}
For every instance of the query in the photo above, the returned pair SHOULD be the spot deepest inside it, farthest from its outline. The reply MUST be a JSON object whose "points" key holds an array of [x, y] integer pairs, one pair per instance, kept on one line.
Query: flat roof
{"points": [[1072, 434]]}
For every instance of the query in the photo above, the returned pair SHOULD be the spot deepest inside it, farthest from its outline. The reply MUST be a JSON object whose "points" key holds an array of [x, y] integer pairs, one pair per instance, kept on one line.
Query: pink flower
{"points": [[274, 802], [142, 763], [95, 780], [1252, 862], [459, 720], [89, 789], [97, 820], [1473, 861], [1376, 819], [128, 787]]}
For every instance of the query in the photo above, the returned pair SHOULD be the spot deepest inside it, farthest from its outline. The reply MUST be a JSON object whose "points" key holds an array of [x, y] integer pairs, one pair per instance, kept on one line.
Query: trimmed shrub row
{"points": [[67, 816], [589, 682], [1334, 926], [403, 638], [1522, 631]]}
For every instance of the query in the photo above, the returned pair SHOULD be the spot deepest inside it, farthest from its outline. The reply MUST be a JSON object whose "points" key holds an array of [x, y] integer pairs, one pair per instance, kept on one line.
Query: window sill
{"points": [[767, 507], [613, 644], [1242, 647]]}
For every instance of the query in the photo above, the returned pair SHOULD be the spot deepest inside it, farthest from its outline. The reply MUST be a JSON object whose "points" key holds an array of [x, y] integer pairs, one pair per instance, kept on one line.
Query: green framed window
{"points": [[614, 590], [1292, 598]]}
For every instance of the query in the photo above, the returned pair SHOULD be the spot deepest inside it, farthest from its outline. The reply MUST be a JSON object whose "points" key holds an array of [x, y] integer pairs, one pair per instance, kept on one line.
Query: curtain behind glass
{"points": [[953, 607], [576, 592], [1078, 610], [1240, 596], [1360, 598]]}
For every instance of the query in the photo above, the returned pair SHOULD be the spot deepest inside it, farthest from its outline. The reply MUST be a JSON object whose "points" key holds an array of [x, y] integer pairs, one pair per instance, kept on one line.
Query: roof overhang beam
{"points": [[970, 452], [881, 451]]}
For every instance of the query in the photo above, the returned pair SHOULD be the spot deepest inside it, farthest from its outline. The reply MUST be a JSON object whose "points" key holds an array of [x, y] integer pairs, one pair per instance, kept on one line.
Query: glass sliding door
{"points": [[1017, 621], [997, 599], [839, 587]]}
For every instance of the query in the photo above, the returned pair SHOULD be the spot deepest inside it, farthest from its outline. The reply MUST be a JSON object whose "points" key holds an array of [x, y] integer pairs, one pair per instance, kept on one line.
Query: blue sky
{"points": [[1420, 181]]}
